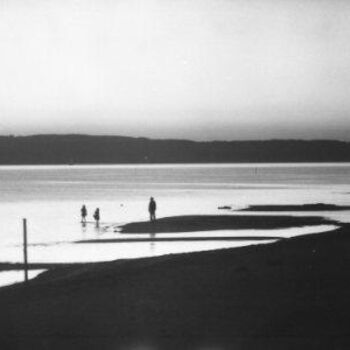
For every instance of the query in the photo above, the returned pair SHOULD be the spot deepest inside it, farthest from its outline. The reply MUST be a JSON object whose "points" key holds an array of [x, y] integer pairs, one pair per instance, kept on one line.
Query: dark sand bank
{"points": [[304, 207], [293, 294], [220, 222]]}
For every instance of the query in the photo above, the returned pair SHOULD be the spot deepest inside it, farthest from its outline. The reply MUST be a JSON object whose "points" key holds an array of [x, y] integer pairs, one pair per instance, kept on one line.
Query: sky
{"points": [[194, 69]]}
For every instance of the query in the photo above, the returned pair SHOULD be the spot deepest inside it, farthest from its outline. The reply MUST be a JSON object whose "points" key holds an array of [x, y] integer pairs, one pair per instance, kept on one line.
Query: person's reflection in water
{"points": [[152, 236], [83, 228]]}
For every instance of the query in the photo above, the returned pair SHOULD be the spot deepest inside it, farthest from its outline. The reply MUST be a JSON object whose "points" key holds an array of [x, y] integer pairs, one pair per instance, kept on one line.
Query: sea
{"points": [[50, 198]]}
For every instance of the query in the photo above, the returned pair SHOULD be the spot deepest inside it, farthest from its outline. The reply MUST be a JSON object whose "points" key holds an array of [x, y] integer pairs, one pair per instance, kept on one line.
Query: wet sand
{"points": [[293, 294], [301, 208], [192, 223], [180, 239]]}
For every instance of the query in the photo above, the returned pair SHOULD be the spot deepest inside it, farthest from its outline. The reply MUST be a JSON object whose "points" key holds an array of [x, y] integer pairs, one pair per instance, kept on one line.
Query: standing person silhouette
{"points": [[97, 217], [152, 206], [83, 212]]}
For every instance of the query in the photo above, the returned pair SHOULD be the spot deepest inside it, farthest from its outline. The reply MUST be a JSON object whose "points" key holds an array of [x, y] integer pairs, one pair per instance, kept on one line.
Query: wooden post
{"points": [[25, 253]]}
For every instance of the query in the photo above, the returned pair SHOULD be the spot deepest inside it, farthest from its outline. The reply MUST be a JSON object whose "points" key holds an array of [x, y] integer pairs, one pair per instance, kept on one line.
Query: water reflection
{"points": [[103, 251], [70, 252], [152, 236], [122, 193]]}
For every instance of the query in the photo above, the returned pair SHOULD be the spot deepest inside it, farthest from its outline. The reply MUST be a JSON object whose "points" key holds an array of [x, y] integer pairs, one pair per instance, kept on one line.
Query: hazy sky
{"points": [[198, 69]]}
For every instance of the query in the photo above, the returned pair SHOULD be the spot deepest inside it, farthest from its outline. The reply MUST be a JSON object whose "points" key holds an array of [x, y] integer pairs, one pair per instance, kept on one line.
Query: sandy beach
{"points": [[291, 292]]}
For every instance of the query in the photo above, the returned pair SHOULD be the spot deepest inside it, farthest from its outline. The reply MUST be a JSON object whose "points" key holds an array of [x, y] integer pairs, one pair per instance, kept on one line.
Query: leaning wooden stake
{"points": [[25, 253]]}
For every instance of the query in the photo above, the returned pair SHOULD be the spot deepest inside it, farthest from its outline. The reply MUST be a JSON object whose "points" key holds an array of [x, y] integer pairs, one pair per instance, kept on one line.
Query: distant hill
{"points": [[85, 149]]}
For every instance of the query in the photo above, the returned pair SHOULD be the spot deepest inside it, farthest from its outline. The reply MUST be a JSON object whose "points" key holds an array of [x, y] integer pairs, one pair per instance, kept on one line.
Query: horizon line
{"points": [[176, 139]]}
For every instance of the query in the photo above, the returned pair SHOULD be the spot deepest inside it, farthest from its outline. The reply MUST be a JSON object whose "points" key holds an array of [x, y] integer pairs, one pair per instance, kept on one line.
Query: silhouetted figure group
{"points": [[84, 214], [152, 207]]}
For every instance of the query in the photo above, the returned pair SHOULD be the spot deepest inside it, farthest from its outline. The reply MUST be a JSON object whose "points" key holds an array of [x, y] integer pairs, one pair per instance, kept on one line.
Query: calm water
{"points": [[50, 198]]}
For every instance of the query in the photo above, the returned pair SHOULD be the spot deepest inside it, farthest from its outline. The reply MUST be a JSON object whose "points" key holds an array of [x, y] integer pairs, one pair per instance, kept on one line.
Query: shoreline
{"points": [[293, 291], [8, 266], [179, 239], [317, 207], [189, 224]]}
